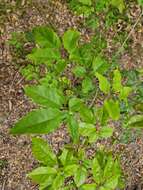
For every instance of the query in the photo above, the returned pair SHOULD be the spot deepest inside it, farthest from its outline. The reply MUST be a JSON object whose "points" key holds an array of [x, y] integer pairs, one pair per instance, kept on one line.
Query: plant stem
{"points": [[128, 36], [95, 96]]}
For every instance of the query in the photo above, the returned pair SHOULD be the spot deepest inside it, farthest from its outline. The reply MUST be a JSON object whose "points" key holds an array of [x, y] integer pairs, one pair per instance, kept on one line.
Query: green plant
{"points": [[85, 68], [73, 169], [3, 163], [91, 9], [74, 103], [17, 42], [140, 2]]}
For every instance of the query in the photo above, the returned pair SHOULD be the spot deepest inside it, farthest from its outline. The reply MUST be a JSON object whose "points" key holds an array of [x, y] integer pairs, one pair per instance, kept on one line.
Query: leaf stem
{"points": [[94, 98]]}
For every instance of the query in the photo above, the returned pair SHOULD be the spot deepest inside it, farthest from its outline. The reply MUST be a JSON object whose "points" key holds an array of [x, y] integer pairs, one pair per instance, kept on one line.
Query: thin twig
{"points": [[94, 98], [3, 185], [128, 36]]}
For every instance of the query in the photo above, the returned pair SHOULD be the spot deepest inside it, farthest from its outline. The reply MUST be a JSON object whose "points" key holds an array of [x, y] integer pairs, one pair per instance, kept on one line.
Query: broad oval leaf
{"points": [[108, 170], [70, 40], [117, 85], [112, 108], [58, 181], [46, 96], [70, 170], [46, 37], [41, 174], [120, 5], [89, 130], [44, 55], [79, 71], [87, 85], [104, 85], [111, 183], [64, 156], [99, 65], [46, 183], [80, 176], [75, 104], [97, 171], [42, 152], [106, 132], [136, 121], [124, 93], [40, 121], [86, 114]]}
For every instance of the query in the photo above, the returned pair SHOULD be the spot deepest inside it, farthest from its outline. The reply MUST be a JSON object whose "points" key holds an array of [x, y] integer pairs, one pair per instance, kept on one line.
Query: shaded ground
{"points": [[15, 153]]}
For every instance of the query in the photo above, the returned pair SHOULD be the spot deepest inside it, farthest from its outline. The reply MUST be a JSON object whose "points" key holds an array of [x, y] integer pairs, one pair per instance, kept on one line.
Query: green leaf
{"points": [[79, 71], [85, 128], [91, 186], [73, 128], [60, 66], [67, 157], [89, 130], [44, 55], [97, 171], [112, 108], [46, 37], [38, 122], [70, 170], [124, 93], [108, 170], [117, 85], [86, 114], [140, 2], [111, 183], [104, 85], [58, 181], [106, 132], [81, 154], [63, 156], [99, 65], [120, 5], [135, 121], [81, 7], [99, 113], [86, 2], [41, 174], [70, 40], [46, 183], [87, 85], [42, 152], [46, 96], [80, 176], [75, 104]]}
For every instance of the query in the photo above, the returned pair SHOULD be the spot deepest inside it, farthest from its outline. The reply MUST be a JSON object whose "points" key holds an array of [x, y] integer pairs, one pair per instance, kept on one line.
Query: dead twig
{"points": [[3, 185], [128, 36]]}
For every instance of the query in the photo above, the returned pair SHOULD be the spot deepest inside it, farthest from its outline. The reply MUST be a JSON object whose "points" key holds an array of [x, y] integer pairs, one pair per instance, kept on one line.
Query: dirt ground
{"points": [[15, 152]]}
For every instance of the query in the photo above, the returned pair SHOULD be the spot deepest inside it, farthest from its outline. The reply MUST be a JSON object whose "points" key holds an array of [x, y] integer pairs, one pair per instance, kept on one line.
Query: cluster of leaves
{"points": [[18, 50], [86, 70], [133, 79], [17, 42], [72, 169], [72, 99], [84, 92], [91, 9]]}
